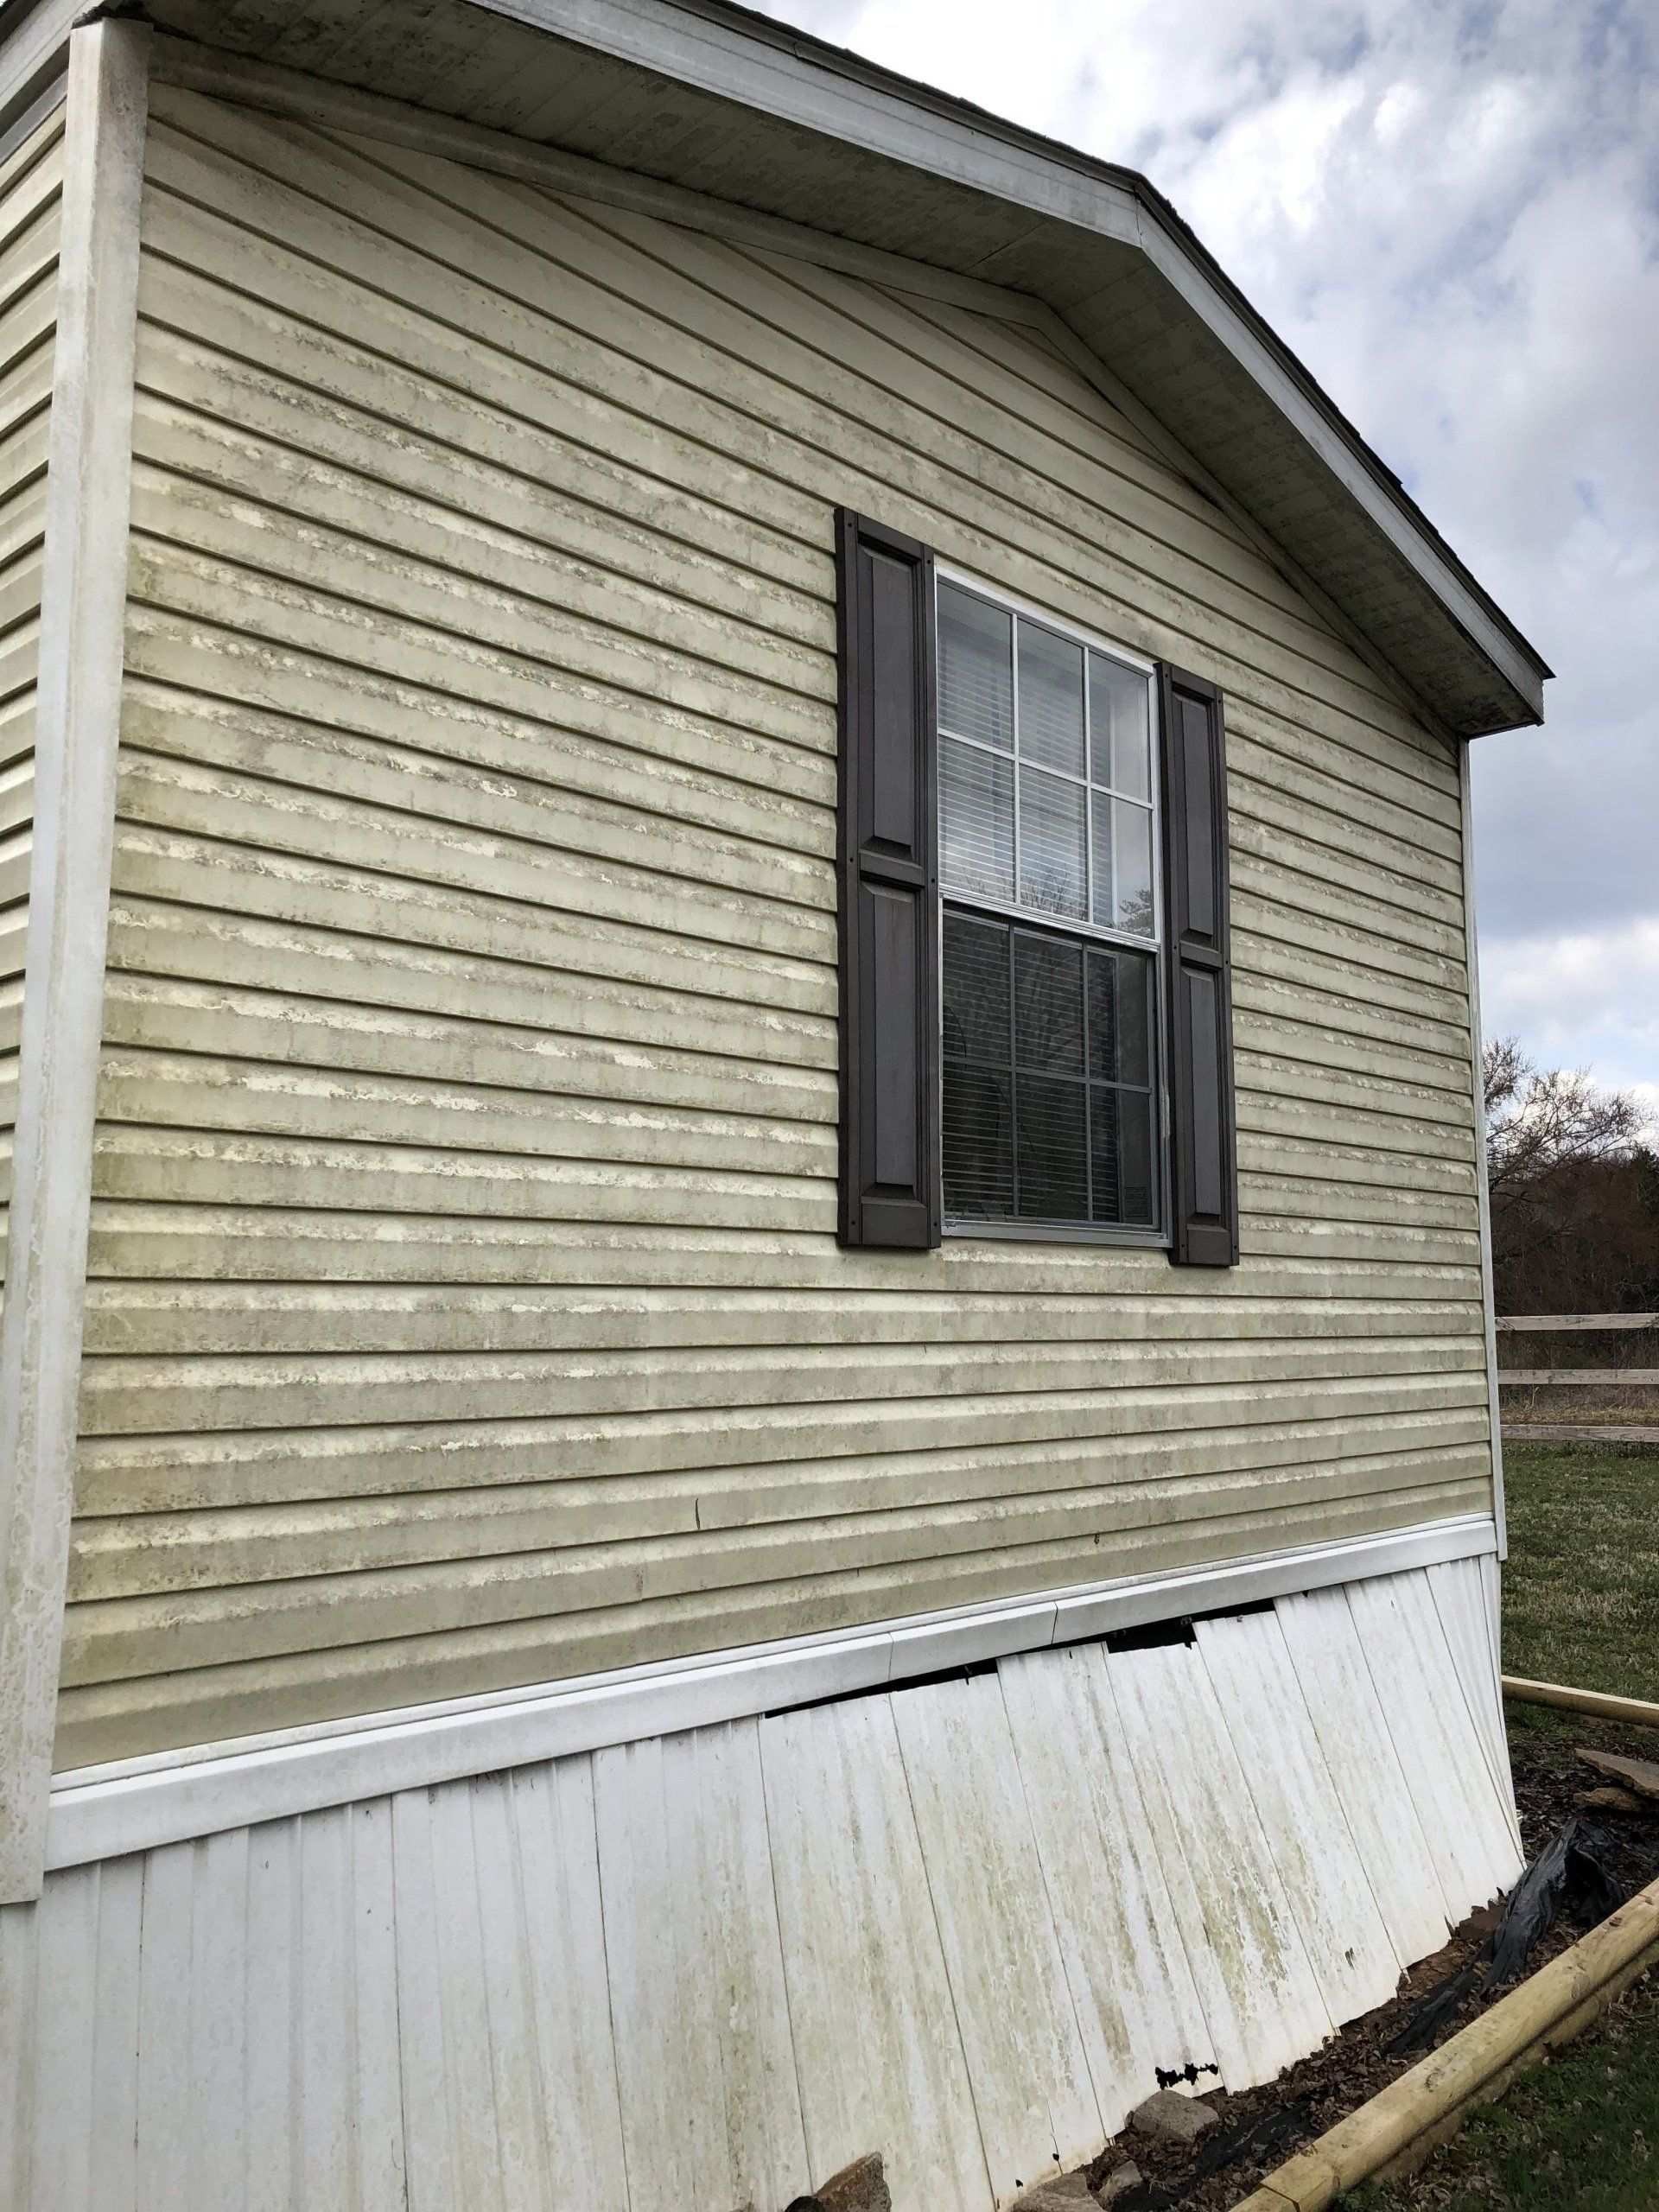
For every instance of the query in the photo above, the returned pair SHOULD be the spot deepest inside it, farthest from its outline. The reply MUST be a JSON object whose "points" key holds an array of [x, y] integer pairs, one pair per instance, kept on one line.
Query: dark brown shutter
{"points": [[889, 891], [1203, 1175]]}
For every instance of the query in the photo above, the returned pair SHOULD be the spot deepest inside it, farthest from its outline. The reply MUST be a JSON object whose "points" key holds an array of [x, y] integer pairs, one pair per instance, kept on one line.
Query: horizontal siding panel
{"points": [[148, 1554], [291, 352], [176, 1472], [782, 854], [258, 505], [1261, 910], [464, 1306], [28, 255], [199, 1704], [814, 362], [576, 1052], [139, 1316], [264, 916], [161, 793], [257, 1243], [303, 392], [107, 1638], [468, 276], [215, 1093], [1127, 1383], [191, 1167], [533, 720]]}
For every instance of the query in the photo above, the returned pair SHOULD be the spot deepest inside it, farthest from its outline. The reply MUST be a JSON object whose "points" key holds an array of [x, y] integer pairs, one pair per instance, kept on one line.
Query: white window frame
{"points": [[1068, 926]]}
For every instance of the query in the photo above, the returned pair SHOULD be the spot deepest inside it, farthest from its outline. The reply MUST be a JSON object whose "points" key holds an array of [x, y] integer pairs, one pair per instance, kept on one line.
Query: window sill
{"points": [[1047, 1232]]}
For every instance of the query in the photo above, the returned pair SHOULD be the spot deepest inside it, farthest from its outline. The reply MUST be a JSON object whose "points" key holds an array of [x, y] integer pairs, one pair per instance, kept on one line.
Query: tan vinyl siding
{"points": [[466, 1308], [31, 188]]}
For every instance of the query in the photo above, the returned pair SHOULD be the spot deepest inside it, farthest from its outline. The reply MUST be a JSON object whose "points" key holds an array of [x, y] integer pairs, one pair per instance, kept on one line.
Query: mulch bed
{"points": [[1261, 2127]]}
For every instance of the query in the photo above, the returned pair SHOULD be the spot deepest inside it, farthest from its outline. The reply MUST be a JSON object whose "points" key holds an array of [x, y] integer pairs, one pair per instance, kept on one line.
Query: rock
{"points": [[1059, 2193], [1121, 2180], [1172, 2117], [862, 2187], [1610, 1799], [1640, 1775]]}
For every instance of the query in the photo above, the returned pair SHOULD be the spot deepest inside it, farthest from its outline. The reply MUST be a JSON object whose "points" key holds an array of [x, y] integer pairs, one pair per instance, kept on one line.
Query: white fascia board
{"points": [[101, 1812], [737, 63], [742, 64], [1246, 346]]}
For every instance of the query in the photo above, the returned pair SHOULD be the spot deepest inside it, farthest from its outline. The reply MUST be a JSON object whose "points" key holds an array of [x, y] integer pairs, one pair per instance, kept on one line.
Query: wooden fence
{"points": [[1586, 1378]]}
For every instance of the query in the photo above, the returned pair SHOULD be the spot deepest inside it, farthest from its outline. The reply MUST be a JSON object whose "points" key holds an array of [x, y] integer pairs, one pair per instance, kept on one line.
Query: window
{"points": [[1047, 866], [1036, 1030]]}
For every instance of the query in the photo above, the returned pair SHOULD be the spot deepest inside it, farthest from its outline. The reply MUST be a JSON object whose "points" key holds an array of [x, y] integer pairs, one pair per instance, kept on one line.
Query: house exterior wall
{"points": [[464, 1308], [31, 181]]}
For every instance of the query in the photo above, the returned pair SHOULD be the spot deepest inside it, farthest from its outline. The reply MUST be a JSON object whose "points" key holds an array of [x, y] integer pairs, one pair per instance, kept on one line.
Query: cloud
{"points": [[1452, 212], [1585, 999]]}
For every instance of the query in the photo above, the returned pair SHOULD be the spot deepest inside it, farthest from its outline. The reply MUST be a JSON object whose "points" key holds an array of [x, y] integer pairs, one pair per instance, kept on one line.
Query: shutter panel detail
{"points": [[890, 1192], [1202, 1131]]}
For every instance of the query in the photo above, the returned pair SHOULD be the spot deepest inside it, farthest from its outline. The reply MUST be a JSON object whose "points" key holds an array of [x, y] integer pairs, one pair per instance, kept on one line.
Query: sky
{"points": [[1449, 210]]}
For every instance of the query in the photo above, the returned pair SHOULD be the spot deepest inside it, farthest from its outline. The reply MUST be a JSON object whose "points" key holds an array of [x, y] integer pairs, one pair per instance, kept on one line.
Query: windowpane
{"points": [[1051, 699], [975, 820], [1104, 909], [1120, 1156], [978, 1086], [977, 989], [1132, 866], [1120, 1016], [1047, 1003], [1053, 861], [1053, 1164], [976, 668], [1118, 722], [978, 1141]]}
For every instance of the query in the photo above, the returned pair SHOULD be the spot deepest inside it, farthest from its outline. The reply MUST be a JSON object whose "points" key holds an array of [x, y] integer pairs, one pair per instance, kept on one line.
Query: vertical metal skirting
{"points": [[963, 1923]]}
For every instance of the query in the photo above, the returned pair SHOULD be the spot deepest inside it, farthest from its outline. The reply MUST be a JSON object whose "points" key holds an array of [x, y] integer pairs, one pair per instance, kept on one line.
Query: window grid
{"points": [[1073, 928], [1087, 783], [1084, 1083]]}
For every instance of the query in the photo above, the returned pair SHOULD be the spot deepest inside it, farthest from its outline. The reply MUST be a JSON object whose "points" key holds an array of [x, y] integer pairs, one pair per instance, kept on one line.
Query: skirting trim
{"points": [[100, 1812]]}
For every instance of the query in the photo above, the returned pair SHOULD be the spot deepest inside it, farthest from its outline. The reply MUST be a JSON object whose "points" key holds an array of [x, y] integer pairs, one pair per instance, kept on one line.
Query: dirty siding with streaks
{"points": [[464, 1309], [30, 188]]}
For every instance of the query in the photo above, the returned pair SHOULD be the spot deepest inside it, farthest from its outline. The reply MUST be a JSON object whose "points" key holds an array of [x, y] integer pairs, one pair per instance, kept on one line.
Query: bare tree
{"points": [[1541, 1125]]}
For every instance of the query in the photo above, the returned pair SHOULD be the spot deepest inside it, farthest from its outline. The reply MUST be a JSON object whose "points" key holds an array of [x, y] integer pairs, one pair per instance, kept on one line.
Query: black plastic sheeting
{"points": [[1570, 1874], [1270, 2134]]}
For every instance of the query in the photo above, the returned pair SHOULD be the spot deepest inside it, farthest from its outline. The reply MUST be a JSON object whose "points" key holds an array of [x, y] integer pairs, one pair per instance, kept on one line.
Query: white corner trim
{"points": [[1476, 1043], [83, 604], [100, 1812]]}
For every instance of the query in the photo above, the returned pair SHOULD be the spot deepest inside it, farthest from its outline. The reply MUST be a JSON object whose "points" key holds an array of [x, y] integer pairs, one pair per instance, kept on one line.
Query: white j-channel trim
{"points": [[1477, 1083], [78, 710], [100, 1812]]}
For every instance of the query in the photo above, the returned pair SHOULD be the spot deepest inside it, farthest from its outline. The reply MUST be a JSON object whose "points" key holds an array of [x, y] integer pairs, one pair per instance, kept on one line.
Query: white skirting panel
{"points": [[964, 1923]]}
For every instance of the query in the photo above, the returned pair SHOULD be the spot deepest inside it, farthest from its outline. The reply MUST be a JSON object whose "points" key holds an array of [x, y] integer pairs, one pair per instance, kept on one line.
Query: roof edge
{"points": [[716, 53]]}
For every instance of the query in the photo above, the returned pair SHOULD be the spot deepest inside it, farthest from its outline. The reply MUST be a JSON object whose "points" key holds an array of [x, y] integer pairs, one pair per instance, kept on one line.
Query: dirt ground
{"points": [[1263, 2127]]}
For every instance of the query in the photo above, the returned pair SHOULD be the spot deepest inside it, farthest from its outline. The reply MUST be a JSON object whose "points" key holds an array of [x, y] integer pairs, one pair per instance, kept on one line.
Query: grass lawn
{"points": [[1581, 1586], [1580, 2134], [1580, 1606]]}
